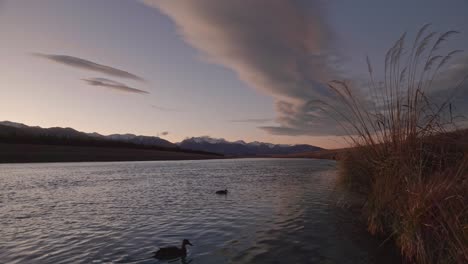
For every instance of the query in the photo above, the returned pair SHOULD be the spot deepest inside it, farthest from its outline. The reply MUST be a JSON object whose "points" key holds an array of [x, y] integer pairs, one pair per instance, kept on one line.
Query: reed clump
{"points": [[409, 160]]}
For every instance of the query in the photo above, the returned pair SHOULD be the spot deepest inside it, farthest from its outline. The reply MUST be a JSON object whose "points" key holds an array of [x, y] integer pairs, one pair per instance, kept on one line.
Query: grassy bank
{"points": [[409, 160]]}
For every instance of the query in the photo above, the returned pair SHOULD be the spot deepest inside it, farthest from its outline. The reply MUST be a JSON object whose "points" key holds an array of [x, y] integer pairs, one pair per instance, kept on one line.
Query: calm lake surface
{"points": [[277, 211]]}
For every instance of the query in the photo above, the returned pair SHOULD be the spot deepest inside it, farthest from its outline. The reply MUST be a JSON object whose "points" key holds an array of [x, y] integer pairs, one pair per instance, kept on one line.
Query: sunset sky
{"points": [[243, 69]]}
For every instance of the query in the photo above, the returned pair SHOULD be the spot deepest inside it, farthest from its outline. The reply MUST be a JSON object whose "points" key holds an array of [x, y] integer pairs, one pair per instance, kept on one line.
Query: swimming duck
{"points": [[225, 191], [173, 252]]}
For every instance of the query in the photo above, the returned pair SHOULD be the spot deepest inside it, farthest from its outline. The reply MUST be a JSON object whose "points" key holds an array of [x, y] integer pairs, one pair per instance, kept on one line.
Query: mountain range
{"points": [[20, 133], [12, 132], [241, 148]]}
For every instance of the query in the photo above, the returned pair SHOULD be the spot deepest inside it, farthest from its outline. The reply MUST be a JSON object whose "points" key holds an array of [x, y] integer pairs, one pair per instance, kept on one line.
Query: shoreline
{"points": [[12, 153], [32, 153]]}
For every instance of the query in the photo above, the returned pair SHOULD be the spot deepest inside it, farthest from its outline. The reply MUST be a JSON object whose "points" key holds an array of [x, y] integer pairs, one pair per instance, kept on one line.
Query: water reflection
{"points": [[277, 211]]}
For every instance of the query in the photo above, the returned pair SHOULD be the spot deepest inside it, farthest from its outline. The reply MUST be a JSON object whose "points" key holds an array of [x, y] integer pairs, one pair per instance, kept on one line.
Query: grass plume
{"points": [[408, 158]]}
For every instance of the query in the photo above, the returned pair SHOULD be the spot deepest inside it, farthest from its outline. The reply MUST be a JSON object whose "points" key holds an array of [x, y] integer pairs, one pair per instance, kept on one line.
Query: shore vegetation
{"points": [[408, 158]]}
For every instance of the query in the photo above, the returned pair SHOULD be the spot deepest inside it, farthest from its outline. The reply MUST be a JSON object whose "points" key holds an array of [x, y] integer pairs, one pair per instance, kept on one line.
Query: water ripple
{"points": [[277, 211]]}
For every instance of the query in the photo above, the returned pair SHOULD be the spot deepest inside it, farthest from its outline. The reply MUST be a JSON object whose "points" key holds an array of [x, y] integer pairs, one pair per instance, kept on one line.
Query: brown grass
{"points": [[408, 160]]}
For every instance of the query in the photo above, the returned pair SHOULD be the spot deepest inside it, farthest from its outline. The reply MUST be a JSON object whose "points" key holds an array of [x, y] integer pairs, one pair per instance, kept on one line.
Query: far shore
{"points": [[38, 153], [32, 153], [330, 154]]}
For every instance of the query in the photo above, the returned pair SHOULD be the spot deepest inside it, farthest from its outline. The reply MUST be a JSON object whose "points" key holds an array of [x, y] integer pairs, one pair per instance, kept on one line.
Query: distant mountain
{"points": [[13, 124], [140, 140], [241, 148], [23, 130], [17, 131], [11, 132]]}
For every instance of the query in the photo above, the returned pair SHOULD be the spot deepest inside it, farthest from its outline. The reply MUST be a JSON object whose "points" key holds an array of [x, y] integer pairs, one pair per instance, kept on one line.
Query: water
{"points": [[277, 211]]}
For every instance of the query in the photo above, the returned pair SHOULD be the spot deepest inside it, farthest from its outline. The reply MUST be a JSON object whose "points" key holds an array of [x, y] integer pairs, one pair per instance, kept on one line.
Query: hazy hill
{"points": [[140, 140], [20, 133]]}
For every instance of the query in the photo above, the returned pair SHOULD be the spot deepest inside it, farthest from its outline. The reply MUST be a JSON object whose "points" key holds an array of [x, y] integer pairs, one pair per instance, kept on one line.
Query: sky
{"points": [[239, 70]]}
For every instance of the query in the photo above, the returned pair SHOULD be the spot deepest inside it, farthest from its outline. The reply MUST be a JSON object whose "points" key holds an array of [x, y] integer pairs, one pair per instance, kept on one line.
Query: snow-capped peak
{"points": [[207, 139], [242, 142]]}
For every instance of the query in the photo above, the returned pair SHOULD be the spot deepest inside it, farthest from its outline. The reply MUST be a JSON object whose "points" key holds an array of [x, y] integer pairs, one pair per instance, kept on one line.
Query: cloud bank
{"points": [[103, 82], [89, 65], [452, 86], [283, 48]]}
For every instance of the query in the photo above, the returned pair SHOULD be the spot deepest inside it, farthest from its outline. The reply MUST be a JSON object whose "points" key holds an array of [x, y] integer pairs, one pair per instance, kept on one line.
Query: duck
{"points": [[173, 252], [225, 191]]}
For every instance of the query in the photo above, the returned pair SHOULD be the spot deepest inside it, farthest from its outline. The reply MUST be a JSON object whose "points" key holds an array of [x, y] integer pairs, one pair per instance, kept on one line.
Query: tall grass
{"points": [[408, 159]]}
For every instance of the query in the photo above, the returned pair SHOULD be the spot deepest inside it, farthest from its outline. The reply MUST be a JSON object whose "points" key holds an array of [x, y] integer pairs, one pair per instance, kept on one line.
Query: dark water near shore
{"points": [[277, 211]]}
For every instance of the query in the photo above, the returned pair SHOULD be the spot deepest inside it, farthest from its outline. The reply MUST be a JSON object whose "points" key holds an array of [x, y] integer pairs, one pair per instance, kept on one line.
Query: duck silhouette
{"points": [[173, 252], [225, 191]]}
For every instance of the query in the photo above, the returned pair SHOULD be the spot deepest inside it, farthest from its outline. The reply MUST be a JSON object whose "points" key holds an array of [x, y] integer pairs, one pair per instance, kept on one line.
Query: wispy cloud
{"points": [[252, 120], [103, 82], [89, 65], [283, 48], [165, 109]]}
